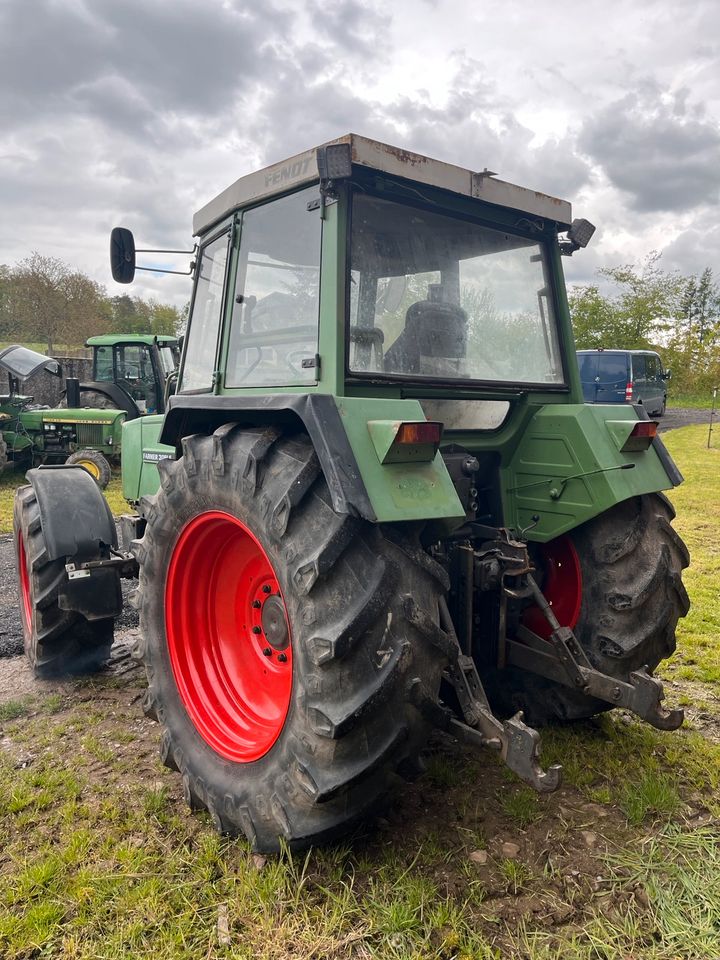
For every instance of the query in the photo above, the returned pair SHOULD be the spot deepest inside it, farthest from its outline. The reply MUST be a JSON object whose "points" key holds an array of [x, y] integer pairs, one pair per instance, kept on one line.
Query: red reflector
{"points": [[628, 391], [644, 428], [420, 432]]}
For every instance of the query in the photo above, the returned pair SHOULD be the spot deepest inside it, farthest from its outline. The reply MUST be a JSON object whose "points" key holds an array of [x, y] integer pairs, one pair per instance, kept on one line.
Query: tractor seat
{"points": [[433, 328]]}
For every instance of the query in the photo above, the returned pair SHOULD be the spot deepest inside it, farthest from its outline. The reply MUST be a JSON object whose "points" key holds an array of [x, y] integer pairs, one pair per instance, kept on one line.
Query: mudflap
{"points": [[78, 527], [75, 517], [97, 596]]}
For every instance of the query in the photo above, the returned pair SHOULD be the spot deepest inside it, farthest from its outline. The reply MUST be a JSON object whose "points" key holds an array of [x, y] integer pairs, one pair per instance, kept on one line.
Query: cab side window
{"points": [[202, 337], [274, 327], [133, 364], [104, 363]]}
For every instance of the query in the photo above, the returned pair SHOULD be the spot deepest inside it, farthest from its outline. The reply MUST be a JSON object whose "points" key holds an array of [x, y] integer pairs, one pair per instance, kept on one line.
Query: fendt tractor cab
{"points": [[376, 503]]}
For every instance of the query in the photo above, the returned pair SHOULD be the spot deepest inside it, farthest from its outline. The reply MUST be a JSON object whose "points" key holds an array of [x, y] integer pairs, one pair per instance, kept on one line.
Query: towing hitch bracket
{"points": [[561, 658], [517, 744]]}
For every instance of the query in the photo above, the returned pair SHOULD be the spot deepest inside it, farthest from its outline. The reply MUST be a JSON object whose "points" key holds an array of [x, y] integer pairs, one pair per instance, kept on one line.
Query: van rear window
{"points": [[611, 366]]}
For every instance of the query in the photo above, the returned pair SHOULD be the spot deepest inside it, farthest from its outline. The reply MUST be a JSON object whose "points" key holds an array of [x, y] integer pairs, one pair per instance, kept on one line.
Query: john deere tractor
{"points": [[376, 503], [33, 432]]}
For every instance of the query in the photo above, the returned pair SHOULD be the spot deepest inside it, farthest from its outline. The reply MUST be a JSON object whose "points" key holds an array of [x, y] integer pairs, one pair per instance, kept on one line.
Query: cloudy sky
{"points": [[138, 112]]}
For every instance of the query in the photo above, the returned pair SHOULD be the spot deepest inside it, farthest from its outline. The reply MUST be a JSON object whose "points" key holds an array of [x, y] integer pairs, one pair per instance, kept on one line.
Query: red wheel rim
{"points": [[24, 583], [228, 636], [561, 582]]}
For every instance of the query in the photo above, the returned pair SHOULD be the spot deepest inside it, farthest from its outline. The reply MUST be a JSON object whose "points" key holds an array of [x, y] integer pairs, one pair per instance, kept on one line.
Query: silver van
{"points": [[624, 376]]}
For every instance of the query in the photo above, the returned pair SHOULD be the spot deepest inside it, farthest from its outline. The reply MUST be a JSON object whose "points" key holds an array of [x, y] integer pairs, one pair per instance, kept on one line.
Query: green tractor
{"points": [[33, 433], [376, 503], [132, 372]]}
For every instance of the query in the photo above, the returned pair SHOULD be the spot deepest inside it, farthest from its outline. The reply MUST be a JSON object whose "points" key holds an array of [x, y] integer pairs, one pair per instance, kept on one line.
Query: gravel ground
{"points": [[685, 417], [11, 633]]}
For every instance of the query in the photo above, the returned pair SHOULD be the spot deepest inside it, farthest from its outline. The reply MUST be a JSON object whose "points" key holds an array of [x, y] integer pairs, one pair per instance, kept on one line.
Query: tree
{"points": [[164, 318], [636, 315], [50, 303]]}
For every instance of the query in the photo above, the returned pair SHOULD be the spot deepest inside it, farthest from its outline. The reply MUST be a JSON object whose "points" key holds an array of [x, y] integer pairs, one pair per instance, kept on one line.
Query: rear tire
{"points": [[364, 650], [632, 597], [94, 463], [56, 641]]}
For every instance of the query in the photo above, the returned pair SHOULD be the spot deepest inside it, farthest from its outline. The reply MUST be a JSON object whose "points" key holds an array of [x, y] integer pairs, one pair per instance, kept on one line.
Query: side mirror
{"points": [[122, 255], [667, 375]]}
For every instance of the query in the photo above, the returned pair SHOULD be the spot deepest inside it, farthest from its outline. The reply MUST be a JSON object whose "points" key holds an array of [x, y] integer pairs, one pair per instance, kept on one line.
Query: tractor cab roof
{"points": [[302, 169], [109, 339], [21, 362]]}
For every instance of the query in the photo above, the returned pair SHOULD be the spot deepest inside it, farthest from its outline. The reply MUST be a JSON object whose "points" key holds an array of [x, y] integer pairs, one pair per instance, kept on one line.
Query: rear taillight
{"points": [[640, 437], [644, 428], [628, 392], [419, 432]]}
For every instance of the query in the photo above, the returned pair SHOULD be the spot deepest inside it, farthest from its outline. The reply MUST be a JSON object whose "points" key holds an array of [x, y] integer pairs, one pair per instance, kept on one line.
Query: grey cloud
{"points": [[472, 128], [697, 247], [659, 152], [178, 56], [353, 26]]}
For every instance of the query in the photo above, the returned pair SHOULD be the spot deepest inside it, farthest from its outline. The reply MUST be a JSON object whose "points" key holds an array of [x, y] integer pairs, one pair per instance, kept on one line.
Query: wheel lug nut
{"points": [[257, 629], [266, 588], [282, 658], [256, 604], [267, 652]]}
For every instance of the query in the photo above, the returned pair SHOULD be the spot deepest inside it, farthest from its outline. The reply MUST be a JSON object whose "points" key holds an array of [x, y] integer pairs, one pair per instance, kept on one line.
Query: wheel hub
{"points": [[274, 622]]}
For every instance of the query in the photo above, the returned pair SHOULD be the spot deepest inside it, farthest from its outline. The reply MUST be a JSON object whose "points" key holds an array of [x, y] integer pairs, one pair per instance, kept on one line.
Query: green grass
{"points": [[697, 502], [522, 805], [100, 858], [661, 902], [12, 709], [696, 401]]}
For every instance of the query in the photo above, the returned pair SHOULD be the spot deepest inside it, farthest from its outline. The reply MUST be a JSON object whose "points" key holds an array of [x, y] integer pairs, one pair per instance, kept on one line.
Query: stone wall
{"points": [[46, 389]]}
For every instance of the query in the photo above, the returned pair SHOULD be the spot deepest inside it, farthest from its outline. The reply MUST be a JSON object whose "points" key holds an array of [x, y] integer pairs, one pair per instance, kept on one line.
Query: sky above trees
{"points": [[137, 113]]}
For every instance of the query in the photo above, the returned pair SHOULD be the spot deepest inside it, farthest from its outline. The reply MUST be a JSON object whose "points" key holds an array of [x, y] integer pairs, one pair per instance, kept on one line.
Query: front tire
{"points": [[289, 721], [94, 463], [56, 641], [630, 598]]}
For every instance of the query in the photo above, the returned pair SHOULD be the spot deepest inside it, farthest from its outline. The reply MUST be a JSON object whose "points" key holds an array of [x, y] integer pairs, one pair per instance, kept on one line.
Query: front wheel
{"points": [[617, 581], [95, 463], [290, 651]]}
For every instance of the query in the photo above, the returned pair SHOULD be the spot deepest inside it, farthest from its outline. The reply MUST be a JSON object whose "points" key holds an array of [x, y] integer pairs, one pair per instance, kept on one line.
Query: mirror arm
{"points": [[178, 273]]}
